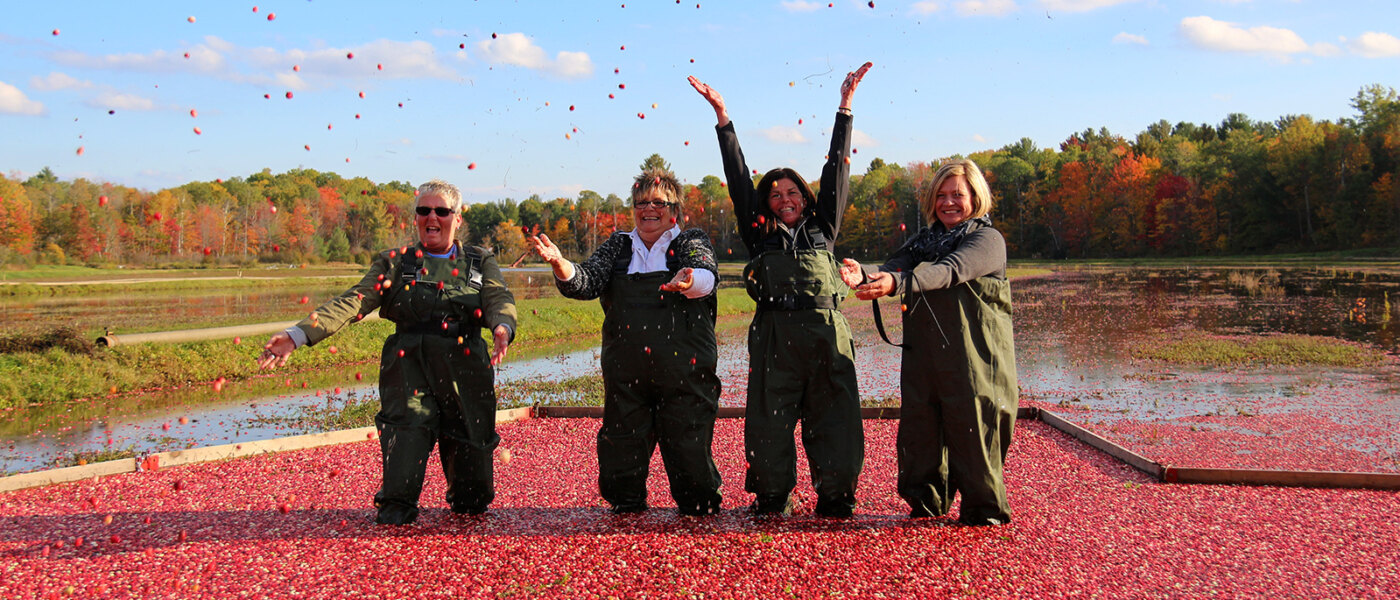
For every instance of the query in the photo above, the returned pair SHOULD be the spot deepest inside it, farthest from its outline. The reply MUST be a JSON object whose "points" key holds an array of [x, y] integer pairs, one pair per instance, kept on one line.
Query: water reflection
{"points": [[1074, 333]]}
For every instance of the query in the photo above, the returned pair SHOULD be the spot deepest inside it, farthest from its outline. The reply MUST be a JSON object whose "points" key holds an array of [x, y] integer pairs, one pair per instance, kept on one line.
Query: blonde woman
{"points": [[958, 371]]}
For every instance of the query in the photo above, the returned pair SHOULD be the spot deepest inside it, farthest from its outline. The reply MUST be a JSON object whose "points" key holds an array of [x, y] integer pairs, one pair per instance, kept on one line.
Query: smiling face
{"points": [[652, 220], [953, 201], [786, 201], [436, 233]]}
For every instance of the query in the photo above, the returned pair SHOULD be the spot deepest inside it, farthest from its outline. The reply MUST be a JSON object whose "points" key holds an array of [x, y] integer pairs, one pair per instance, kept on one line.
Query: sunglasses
{"points": [[442, 211], [653, 204]]}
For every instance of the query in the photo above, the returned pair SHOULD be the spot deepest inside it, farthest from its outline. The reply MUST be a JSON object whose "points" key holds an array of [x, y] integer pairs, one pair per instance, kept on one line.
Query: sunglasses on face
{"points": [[442, 211], [653, 204]]}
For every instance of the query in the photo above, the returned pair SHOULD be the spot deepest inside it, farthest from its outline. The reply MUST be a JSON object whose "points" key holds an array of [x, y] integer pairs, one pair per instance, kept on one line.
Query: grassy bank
{"points": [[56, 375], [1235, 351]]}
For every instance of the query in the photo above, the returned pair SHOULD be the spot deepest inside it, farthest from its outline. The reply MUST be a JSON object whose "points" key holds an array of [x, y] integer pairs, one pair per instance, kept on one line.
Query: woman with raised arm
{"points": [[657, 287], [958, 393], [435, 379], [801, 354]]}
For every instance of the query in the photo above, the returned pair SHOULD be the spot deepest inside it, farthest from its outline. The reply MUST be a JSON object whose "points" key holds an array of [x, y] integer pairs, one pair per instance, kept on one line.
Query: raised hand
{"points": [[540, 244], [881, 284], [684, 279], [712, 96], [851, 274], [848, 87], [276, 351]]}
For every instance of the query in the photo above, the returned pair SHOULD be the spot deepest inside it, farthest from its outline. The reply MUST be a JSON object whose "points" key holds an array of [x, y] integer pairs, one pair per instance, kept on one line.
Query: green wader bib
{"points": [[435, 389], [802, 366], [659, 386], [959, 400]]}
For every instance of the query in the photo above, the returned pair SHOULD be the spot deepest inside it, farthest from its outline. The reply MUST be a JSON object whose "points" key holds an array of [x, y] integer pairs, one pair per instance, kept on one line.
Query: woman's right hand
{"points": [[881, 284], [563, 269], [276, 351], [712, 96]]}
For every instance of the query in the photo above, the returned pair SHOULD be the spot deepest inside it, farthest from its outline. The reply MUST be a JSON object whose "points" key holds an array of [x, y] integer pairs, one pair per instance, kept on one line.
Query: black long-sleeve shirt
{"points": [[831, 199]]}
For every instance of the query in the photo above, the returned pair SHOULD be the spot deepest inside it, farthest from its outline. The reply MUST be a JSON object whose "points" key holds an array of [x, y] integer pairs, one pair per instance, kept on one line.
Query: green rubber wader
{"points": [[959, 400], [435, 389], [801, 367], [659, 387]]}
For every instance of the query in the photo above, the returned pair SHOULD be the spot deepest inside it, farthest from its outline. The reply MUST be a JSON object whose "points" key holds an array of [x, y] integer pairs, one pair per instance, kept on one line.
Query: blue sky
{"points": [[949, 77]]}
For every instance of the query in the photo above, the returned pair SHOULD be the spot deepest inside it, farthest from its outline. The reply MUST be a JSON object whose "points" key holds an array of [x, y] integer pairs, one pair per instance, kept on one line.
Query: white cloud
{"points": [[1222, 36], [979, 138], [321, 67], [783, 134], [1375, 45], [58, 81], [13, 101], [985, 8], [860, 139], [800, 5], [925, 7], [519, 50], [1080, 5], [1128, 38], [113, 100], [1326, 49]]}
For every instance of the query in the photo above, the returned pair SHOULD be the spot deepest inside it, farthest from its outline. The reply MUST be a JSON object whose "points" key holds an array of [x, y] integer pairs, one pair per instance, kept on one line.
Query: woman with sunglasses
{"points": [[657, 287], [435, 378], [801, 354]]}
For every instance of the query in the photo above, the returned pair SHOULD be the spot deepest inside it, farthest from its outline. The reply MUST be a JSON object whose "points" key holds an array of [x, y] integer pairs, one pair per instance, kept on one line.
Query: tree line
{"points": [[1238, 187]]}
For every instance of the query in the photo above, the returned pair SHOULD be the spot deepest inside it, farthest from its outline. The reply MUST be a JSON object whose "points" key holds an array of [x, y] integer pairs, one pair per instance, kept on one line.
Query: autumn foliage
{"points": [[1242, 186]]}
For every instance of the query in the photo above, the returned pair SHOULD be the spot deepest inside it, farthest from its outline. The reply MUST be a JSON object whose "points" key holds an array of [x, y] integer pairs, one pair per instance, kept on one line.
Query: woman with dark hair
{"points": [[958, 371], [657, 287], [801, 354]]}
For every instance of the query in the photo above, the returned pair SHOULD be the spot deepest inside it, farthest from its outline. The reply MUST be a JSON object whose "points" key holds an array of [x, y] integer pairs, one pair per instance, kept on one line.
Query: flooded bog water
{"points": [[1075, 335]]}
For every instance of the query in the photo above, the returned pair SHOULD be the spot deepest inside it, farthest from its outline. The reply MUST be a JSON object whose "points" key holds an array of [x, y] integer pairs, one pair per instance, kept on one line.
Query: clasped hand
{"points": [[877, 285]]}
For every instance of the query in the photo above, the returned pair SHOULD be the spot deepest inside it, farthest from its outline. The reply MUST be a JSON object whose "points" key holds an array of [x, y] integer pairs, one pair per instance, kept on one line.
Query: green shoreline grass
{"points": [[57, 376], [1236, 351]]}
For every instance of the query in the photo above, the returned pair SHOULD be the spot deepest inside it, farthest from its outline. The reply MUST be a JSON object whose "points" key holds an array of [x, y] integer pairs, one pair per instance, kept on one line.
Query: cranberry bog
{"points": [[298, 524]]}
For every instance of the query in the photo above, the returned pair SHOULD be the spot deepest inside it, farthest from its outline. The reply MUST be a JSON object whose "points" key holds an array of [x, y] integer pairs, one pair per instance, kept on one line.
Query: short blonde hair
{"points": [[981, 194], [448, 192]]}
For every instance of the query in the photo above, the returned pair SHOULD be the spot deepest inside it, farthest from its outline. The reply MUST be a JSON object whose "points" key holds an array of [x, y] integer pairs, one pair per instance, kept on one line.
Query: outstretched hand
{"points": [[881, 284], [540, 244], [684, 279], [851, 274], [712, 96], [276, 351], [848, 87]]}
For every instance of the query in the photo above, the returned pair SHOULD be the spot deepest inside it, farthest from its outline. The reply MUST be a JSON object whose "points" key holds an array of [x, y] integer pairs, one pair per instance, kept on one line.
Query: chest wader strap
{"points": [[791, 302], [880, 322], [409, 263], [474, 260]]}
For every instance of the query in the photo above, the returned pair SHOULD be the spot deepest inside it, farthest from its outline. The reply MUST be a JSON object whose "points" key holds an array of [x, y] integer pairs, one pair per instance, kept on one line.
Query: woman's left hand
{"points": [[501, 339], [681, 282], [881, 284], [848, 87]]}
